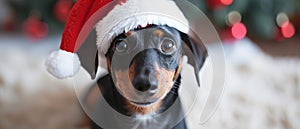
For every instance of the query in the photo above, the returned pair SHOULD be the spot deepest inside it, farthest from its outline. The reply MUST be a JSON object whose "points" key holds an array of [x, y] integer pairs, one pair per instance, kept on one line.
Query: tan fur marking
{"points": [[159, 32], [165, 81], [124, 84], [108, 64], [129, 33], [131, 71]]}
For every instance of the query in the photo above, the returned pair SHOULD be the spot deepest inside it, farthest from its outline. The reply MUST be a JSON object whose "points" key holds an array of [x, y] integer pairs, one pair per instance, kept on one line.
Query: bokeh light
{"points": [[239, 30], [281, 19], [35, 29], [227, 2], [288, 30], [62, 9], [233, 17]]}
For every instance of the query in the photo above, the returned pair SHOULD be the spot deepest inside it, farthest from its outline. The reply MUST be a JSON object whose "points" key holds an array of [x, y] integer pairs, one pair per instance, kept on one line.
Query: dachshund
{"points": [[144, 77]]}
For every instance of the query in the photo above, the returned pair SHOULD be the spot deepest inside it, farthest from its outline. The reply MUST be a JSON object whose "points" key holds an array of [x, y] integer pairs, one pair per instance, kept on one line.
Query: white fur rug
{"points": [[261, 92]]}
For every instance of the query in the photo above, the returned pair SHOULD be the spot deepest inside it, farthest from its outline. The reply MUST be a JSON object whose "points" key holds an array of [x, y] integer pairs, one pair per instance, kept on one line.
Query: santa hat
{"points": [[109, 18]]}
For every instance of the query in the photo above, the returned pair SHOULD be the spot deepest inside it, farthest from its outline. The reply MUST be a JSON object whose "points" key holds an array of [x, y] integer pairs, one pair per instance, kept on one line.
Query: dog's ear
{"points": [[87, 54], [196, 53]]}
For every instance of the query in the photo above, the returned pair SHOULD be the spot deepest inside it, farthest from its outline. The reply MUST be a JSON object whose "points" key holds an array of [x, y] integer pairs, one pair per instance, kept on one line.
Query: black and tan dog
{"points": [[148, 84]]}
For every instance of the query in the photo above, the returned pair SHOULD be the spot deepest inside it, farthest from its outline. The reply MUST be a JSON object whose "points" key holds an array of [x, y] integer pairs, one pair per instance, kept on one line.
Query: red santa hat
{"points": [[109, 18]]}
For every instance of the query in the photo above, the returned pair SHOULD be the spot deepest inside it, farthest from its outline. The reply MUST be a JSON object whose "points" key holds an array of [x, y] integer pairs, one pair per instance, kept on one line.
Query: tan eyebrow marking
{"points": [[129, 33], [159, 32]]}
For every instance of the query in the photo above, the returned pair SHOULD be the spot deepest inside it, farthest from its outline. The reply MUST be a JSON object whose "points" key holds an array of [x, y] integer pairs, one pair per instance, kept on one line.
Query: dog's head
{"points": [[154, 61]]}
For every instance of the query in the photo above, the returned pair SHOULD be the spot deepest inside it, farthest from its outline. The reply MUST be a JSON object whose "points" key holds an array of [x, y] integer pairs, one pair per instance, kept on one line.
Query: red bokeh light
{"points": [[35, 29], [227, 36], [288, 30], [215, 4], [226, 2], [62, 9], [239, 30]]}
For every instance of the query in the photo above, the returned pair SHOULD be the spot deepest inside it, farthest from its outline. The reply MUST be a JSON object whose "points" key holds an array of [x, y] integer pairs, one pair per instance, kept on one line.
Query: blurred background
{"points": [[261, 40]]}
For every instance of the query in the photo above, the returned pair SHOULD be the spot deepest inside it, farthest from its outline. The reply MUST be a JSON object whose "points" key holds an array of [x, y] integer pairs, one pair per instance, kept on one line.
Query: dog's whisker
{"points": [[152, 110], [136, 109]]}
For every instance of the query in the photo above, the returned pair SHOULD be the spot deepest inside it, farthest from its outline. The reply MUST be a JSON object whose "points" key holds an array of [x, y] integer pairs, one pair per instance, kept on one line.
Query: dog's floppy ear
{"points": [[196, 53], [87, 54]]}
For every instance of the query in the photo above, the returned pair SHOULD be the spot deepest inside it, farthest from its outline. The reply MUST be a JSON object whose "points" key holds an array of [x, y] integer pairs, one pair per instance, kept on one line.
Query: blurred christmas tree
{"points": [[267, 19], [234, 19], [37, 18]]}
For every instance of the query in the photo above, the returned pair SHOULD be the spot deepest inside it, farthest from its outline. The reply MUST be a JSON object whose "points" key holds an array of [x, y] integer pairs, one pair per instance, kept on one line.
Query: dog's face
{"points": [[154, 59]]}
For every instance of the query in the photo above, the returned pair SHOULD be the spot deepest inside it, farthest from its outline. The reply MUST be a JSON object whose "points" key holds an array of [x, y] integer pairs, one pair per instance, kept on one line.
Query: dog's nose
{"points": [[143, 84]]}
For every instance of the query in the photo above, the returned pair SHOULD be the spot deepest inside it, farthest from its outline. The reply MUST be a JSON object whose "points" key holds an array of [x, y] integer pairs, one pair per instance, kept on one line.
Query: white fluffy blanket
{"points": [[261, 92]]}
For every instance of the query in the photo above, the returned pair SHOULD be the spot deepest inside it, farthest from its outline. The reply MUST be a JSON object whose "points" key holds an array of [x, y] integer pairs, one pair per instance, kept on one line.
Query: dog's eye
{"points": [[168, 46], [121, 46]]}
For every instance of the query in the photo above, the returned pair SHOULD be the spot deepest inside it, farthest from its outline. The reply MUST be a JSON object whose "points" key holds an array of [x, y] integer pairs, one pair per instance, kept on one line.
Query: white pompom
{"points": [[63, 64]]}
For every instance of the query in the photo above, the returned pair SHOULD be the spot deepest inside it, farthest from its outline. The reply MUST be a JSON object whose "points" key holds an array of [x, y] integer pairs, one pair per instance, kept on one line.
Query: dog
{"points": [[144, 76]]}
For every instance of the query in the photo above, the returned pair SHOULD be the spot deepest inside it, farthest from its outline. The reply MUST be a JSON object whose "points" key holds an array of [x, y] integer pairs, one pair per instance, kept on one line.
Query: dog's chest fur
{"points": [[168, 117]]}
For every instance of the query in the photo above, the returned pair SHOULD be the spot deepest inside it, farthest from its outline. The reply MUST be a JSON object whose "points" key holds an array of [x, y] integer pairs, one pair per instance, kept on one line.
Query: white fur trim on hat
{"points": [[63, 64], [133, 13]]}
